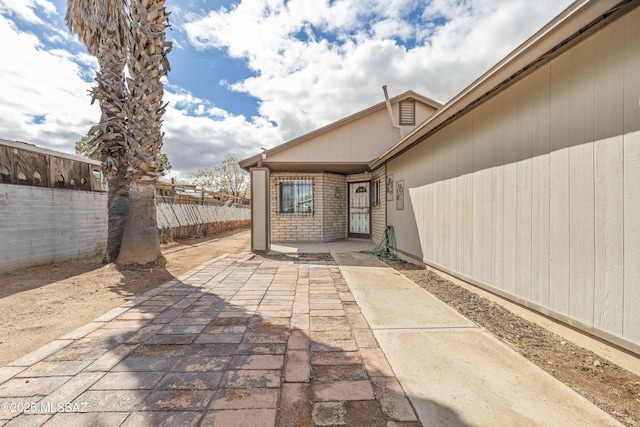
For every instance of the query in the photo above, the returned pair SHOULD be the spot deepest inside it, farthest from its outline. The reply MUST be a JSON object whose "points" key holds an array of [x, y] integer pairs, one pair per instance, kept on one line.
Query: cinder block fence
{"points": [[41, 225]]}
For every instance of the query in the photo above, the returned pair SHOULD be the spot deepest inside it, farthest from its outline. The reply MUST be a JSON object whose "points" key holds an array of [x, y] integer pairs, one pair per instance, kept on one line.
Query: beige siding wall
{"points": [[359, 141], [536, 192], [378, 212]]}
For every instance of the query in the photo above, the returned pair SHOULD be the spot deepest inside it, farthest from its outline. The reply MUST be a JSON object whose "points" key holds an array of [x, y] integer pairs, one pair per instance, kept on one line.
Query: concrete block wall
{"points": [[44, 225], [334, 207]]}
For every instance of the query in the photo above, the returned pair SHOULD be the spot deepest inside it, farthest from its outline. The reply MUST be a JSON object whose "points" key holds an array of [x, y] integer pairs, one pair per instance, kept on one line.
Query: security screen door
{"points": [[359, 208]]}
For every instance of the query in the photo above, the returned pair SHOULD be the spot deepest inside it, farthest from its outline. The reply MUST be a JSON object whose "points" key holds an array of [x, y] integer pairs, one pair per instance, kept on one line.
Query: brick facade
{"points": [[329, 220]]}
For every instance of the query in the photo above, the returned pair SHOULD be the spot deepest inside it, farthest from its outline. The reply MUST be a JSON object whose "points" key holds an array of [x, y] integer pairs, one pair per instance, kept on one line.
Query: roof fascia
{"points": [[556, 33], [253, 160]]}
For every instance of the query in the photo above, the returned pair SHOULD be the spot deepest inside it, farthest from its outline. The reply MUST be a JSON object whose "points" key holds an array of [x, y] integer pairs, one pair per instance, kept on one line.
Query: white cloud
{"points": [[202, 140], [45, 92], [313, 62], [305, 84], [24, 9]]}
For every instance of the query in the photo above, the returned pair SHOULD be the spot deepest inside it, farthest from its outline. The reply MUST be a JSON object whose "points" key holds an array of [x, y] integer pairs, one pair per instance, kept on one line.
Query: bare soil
{"points": [[612, 388], [41, 304]]}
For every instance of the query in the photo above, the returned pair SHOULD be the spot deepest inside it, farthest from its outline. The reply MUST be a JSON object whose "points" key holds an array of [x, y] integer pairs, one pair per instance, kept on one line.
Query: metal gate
{"points": [[359, 208]]}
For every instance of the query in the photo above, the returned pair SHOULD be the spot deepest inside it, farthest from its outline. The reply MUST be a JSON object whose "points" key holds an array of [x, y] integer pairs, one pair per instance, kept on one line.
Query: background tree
{"points": [[232, 179], [226, 178]]}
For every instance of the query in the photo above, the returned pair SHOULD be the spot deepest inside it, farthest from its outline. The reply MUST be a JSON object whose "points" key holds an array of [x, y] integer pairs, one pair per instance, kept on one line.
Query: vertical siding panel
{"points": [[465, 225], [523, 191], [609, 180], [581, 191], [454, 198], [559, 185], [452, 147], [438, 206], [486, 198], [510, 196], [428, 203], [477, 198], [631, 328], [497, 194], [540, 189]]}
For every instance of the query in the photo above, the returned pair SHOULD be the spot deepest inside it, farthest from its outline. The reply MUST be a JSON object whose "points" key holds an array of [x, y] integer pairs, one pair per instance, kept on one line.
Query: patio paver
{"points": [[240, 340]]}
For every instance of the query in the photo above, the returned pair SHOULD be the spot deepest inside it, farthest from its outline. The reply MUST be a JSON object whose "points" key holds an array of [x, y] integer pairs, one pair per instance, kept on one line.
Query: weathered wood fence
{"points": [[187, 220]]}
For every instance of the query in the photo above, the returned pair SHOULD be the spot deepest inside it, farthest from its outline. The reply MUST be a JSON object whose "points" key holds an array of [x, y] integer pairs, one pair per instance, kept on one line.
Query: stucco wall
{"points": [[43, 225], [535, 194]]}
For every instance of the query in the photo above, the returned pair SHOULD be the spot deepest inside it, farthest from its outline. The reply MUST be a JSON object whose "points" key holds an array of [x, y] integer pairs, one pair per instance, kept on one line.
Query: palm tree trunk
{"points": [[110, 140], [141, 238], [147, 65], [118, 206]]}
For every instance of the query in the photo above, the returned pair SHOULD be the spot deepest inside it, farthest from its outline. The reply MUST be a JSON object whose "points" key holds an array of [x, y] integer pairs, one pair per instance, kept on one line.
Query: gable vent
{"points": [[408, 112]]}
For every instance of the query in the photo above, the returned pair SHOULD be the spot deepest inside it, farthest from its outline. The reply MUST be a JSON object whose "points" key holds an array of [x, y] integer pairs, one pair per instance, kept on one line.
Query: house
{"points": [[318, 187], [526, 183]]}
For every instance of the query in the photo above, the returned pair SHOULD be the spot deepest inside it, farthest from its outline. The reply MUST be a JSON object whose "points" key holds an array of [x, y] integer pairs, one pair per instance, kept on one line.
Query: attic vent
{"points": [[408, 112]]}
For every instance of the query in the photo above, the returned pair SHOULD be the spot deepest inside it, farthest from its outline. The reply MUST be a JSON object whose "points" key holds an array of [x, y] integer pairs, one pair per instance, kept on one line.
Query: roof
{"points": [[253, 160], [569, 27]]}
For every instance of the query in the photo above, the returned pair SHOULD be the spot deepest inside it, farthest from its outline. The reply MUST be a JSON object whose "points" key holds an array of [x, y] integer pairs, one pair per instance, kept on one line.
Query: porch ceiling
{"points": [[313, 167]]}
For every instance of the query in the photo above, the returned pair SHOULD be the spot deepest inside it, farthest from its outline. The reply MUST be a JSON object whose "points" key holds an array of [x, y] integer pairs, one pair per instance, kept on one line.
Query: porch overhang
{"points": [[315, 167]]}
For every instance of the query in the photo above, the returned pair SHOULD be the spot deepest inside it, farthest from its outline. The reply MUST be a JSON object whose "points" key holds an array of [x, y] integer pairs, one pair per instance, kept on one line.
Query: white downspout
{"points": [[393, 123]]}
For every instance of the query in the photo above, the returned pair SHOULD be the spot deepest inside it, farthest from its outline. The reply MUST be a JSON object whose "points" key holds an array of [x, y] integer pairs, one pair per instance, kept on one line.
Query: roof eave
{"points": [[252, 161], [562, 27]]}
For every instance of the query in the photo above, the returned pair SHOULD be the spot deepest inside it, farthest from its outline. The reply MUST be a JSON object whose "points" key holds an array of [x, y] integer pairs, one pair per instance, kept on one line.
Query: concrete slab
{"points": [[406, 308], [300, 248], [468, 378], [362, 271]]}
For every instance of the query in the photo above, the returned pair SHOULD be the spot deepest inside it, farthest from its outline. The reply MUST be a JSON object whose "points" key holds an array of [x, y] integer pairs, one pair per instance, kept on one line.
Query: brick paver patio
{"points": [[239, 341]]}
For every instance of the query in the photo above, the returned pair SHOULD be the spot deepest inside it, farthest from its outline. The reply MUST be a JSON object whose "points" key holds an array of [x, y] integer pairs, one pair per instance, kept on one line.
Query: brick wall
{"points": [[329, 219], [335, 207], [43, 225], [296, 227]]}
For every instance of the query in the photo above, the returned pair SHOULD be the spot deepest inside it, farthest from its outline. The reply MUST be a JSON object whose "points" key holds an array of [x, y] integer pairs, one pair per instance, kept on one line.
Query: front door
{"points": [[359, 209]]}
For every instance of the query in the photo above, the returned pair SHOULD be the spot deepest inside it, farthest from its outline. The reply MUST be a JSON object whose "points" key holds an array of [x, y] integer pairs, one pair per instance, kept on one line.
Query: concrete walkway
{"points": [[288, 341]]}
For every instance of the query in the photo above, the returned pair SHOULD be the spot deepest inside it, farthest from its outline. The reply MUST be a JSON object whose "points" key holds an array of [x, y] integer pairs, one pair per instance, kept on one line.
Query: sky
{"points": [[247, 74]]}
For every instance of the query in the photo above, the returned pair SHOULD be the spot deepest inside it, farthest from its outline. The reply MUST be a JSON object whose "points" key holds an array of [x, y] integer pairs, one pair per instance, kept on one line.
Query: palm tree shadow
{"points": [[219, 341]]}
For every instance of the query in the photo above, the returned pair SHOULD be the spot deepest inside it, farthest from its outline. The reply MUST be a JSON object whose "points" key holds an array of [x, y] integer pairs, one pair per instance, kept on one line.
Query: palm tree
{"points": [[147, 61], [102, 27], [128, 137]]}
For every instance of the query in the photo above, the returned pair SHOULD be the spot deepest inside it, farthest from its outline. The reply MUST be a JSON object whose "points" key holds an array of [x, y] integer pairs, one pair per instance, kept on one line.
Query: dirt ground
{"points": [[40, 304]]}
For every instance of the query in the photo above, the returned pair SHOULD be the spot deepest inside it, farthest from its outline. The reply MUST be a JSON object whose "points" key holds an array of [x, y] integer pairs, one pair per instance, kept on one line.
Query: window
{"points": [[376, 192], [408, 112], [295, 197]]}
